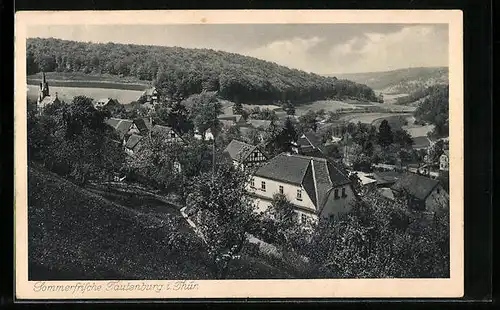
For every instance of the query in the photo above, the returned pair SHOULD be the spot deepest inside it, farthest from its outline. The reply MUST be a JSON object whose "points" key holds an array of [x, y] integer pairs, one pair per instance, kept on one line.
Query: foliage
{"points": [[73, 140], [381, 239], [289, 108], [435, 151], [180, 72], [435, 109], [224, 214], [385, 137], [204, 108], [308, 121], [263, 114]]}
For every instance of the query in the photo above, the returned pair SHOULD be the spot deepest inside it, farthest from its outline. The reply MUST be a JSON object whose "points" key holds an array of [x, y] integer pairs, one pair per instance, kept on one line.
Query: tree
{"points": [[176, 116], [385, 137], [289, 108], [224, 214], [204, 109], [73, 141], [435, 109], [403, 138], [284, 218]]}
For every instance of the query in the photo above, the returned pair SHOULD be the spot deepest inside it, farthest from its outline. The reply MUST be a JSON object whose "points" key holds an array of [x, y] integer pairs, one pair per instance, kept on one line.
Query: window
{"points": [[172, 135], [252, 183], [255, 154], [343, 192], [281, 189], [336, 193], [299, 194], [303, 218], [263, 186], [437, 190]]}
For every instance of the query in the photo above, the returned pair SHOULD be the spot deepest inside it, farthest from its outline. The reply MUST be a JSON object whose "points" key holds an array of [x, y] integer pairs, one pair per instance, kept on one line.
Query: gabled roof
{"points": [[238, 150], [133, 142], [310, 139], [122, 126], [103, 101], [317, 176], [415, 185], [387, 177]]}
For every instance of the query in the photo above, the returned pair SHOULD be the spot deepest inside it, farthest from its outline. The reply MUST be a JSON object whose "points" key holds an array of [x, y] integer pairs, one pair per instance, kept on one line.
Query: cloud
{"points": [[412, 46], [295, 52]]}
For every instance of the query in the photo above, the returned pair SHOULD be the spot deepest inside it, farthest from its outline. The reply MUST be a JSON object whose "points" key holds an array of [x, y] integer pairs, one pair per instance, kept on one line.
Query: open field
{"points": [[83, 77], [391, 98], [66, 94], [417, 130], [78, 234], [327, 105], [369, 118]]}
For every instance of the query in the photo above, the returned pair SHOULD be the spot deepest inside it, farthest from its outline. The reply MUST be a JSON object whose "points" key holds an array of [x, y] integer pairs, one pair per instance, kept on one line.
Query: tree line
{"points": [[180, 72]]}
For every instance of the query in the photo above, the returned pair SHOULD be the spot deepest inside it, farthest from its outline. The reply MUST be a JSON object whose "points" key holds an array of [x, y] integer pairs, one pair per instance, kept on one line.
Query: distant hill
{"points": [[401, 81], [179, 72]]}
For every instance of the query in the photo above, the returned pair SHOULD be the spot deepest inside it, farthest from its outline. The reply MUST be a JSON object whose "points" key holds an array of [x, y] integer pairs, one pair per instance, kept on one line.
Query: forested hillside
{"points": [[401, 81], [180, 72]]}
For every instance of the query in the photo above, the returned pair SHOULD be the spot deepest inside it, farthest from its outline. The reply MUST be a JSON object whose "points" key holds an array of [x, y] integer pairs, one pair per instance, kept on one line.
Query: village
{"points": [[318, 185]]}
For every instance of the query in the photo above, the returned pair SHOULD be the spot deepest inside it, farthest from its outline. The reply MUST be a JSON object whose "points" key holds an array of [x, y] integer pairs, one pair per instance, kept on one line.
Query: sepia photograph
{"points": [[160, 155]]}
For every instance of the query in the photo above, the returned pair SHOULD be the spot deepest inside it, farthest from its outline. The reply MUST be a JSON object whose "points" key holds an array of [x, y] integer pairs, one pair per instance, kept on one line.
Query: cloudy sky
{"points": [[319, 48]]}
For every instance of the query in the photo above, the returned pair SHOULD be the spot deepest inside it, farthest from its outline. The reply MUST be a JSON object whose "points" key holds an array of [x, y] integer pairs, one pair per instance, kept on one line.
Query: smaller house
{"points": [[170, 134], [308, 144], [104, 102], [231, 120], [121, 126], [133, 144], [244, 154], [368, 182], [150, 96], [208, 135], [422, 193], [444, 161]]}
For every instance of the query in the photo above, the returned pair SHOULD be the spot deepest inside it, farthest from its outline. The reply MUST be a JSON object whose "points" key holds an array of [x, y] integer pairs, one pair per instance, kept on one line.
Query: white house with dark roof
{"points": [[104, 102], [422, 193], [315, 186], [244, 154]]}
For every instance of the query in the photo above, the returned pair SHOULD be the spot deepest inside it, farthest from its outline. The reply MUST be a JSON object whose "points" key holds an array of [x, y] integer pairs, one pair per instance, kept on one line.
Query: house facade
{"points": [[151, 96], [314, 186], [422, 193], [444, 161], [171, 135], [244, 155]]}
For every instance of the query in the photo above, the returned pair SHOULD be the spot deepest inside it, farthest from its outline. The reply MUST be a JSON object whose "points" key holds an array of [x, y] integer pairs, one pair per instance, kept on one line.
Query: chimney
{"points": [[56, 95]]}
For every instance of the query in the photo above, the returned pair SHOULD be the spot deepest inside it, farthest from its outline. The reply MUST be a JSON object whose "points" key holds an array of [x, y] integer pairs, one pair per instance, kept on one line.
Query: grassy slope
{"points": [[77, 234]]}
